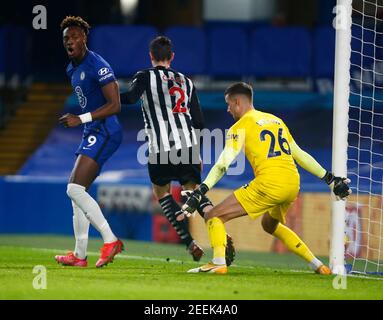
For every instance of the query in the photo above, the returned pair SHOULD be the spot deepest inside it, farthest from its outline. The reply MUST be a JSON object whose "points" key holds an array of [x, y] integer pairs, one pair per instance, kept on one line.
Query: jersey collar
{"points": [[75, 65]]}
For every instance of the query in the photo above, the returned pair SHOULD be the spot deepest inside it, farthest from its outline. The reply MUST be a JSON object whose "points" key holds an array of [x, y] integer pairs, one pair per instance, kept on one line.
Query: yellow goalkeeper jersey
{"points": [[266, 141]]}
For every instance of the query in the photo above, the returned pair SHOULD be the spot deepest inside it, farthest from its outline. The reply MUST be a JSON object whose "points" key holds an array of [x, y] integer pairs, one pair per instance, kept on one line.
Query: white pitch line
{"points": [[363, 277], [127, 256]]}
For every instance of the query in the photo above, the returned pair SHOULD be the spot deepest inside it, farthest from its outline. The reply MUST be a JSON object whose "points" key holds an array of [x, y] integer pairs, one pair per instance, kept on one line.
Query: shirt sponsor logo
{"points": [[105, 77], [80, 96], [103, 71]]}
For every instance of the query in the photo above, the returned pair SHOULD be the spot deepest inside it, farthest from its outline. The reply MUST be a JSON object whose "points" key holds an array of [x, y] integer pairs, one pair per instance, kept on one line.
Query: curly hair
{"points": [[72, 21]]}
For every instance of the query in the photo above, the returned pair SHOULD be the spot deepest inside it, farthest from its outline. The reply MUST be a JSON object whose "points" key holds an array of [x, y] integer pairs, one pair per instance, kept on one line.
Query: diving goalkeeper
{"points": [[271, 151]]}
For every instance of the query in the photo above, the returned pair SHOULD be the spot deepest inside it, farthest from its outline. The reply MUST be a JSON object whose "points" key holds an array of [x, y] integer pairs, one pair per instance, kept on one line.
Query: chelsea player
{"points": [[97, 91]]}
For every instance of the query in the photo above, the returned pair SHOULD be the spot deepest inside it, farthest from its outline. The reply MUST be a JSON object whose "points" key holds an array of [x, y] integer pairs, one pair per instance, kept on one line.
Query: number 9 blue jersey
{"points": [[87, 79]]}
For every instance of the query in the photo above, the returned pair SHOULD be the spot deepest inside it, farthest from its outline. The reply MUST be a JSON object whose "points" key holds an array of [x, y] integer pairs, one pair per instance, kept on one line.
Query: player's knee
{"points": [[74, 190], [216, 213], [269, 224], [210, 215]]}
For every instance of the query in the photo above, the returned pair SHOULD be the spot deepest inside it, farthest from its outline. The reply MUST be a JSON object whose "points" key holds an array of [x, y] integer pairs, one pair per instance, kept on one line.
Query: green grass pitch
{"points": [[152, 271]]}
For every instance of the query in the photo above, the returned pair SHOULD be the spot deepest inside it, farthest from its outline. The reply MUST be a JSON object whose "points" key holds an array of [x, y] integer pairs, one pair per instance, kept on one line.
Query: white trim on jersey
{"points": [[160, 119], [172, 120]]}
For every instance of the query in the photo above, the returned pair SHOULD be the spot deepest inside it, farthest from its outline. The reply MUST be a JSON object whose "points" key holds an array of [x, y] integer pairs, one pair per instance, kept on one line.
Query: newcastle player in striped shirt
{"points": [[171, 114]]}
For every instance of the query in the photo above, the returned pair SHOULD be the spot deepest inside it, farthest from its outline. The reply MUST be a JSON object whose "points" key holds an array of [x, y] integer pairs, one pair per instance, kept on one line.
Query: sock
{"points": [[81, 230], [92, 211], [296, 245], [170, 207], [217, 236], [315, 264]]}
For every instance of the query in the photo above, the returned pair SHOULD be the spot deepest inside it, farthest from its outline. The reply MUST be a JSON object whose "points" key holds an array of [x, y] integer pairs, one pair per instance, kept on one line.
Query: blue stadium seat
{"points": [[14, 51], [280, 52], [2, 51], [228, 51], [124, 47], [324, 52], [189, 44]]}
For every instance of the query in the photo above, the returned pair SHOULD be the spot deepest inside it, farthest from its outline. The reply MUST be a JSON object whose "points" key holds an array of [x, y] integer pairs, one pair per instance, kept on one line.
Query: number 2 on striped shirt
{"points": [[178, 107]]}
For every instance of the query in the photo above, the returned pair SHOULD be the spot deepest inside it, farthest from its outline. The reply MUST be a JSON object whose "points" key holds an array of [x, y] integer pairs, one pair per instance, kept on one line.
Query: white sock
{"points": [[81, 230], [315, 264], [92, 211], [219, 261]]}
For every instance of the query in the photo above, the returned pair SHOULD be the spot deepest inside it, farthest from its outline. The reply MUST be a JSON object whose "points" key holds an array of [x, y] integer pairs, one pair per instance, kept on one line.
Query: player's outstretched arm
{"points": [[338, 185], [111, 107], [306, 161], [136, 88]]}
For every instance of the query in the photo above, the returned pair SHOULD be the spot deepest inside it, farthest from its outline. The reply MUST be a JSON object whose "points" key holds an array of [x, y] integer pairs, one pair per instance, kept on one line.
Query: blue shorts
{"points": [[99, 146]]}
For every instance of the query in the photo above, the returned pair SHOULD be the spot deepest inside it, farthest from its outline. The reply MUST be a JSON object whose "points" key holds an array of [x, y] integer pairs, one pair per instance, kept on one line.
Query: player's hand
{"points": [[182, 214], [338, 185], [192, 202], [70, 120], [194, 198]]}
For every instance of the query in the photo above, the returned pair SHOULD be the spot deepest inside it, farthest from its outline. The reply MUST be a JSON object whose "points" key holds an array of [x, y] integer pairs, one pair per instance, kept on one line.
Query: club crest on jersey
{"points": [[82, 75], [103, 71]]}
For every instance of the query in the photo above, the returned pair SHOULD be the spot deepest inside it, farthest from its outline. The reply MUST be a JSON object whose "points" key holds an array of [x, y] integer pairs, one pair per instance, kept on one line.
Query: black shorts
{"points": [[163, 171]]}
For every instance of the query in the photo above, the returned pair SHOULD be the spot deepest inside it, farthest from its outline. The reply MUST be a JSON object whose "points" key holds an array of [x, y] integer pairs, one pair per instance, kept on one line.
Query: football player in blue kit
{"points": [[97, 91]]}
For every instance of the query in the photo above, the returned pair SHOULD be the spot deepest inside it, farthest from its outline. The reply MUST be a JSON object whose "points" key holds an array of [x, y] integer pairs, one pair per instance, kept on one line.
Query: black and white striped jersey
{"points": [[170, 107]]}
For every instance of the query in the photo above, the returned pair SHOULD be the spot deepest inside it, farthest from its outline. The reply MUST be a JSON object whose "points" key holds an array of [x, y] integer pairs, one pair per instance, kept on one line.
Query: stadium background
{"points": [[285, 49]]}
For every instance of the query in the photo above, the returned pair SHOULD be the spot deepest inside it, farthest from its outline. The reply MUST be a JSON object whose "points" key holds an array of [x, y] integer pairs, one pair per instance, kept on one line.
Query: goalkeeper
{"points": [[271, 151]]}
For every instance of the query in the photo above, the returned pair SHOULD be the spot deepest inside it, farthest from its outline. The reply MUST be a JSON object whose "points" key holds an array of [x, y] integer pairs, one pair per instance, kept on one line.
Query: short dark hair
{"points": [[161, 48], [240, 88], [72, 21]]}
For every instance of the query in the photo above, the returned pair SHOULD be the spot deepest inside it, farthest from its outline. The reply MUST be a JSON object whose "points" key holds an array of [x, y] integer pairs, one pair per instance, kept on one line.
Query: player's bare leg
{"points": [[293, 242], [227, 210], [84, 173], [171, 209]]}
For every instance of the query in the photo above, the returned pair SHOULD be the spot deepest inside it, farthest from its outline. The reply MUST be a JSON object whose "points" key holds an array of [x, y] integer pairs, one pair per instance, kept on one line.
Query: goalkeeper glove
{"points": [[180, 215], [194, 198], [338, 185]]}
